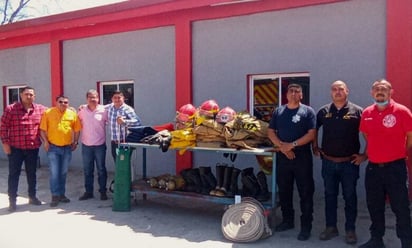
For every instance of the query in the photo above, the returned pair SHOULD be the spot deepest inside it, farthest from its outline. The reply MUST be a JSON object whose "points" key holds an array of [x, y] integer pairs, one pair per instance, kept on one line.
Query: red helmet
{"points": [[209, 108], [186, 113], [225, 115]]}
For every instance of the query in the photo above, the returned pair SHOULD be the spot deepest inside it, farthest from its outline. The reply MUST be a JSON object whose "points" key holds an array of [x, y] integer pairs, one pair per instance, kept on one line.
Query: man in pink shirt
{"points": [[93, 118]]}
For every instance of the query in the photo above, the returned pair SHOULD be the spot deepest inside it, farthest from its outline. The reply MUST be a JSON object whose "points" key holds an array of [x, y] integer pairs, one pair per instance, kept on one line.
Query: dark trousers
{"points": [[334, 175], [388, 179], [16, 159], [300, 170]]}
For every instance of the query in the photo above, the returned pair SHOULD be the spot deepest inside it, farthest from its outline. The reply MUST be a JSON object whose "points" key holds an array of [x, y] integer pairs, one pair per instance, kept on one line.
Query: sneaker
{"points": [[12, 206], [86, 196], [351, 238], [64, 199], [55, 201], [304, 235], [329, 233], [103, 196], [34, 201], [283, 226], [373, 243]]}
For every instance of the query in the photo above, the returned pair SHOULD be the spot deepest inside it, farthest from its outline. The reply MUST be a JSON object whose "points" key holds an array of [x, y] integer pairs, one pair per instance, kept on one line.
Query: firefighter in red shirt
{"points": [[387, 127]]}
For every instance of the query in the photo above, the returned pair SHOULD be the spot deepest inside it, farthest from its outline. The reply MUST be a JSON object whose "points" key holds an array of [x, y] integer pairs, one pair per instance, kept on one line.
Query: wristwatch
{"points": [[295, 144]]}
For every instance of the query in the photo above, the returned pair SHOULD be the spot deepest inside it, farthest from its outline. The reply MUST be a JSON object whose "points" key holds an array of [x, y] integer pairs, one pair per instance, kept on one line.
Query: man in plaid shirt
{"points": [[20, 136]]}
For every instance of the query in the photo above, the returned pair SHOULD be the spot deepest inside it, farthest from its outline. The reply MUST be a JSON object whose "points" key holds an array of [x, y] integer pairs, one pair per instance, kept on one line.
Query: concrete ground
{"points": [[157, 222]]}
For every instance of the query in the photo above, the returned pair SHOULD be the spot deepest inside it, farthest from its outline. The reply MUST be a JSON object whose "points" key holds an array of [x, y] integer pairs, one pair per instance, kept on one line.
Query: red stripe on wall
{"points": [[184, 92], [399, 56], [56, 67]]}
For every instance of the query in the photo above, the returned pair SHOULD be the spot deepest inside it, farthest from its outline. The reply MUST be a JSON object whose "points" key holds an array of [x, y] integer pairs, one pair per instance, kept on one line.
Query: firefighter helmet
{"points": [[186, 113], [225, 115], [209, 108]]}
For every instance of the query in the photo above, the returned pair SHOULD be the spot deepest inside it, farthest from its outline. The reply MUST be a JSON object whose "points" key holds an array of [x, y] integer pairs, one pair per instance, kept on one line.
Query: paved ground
{"points": [[156, 222]]}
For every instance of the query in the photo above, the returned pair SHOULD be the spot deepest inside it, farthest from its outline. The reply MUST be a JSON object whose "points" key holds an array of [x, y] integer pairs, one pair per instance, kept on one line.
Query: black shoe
{"points": [[303, 235], [283, 226], [12, 206], [103, 196], [373, 243], [64, 199], [34, 201], [55, 201], [86, 196]]}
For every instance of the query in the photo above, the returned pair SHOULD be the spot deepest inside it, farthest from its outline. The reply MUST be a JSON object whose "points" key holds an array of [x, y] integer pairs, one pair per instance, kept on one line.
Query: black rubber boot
{"points": [[220, 173], [192, 179], [249, 181], [263, 186], [226, 182], [233, 189], [208, 179]]}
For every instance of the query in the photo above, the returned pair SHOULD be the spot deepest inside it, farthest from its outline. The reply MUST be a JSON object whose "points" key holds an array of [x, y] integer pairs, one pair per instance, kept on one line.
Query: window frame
{"points": [[279, 79], [6, 96], [117, 83]]}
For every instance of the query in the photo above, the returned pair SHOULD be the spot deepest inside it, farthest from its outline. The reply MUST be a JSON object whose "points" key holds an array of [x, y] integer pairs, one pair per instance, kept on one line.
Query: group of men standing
{"points": [[293, 129], [25, 125], [387, 129]]}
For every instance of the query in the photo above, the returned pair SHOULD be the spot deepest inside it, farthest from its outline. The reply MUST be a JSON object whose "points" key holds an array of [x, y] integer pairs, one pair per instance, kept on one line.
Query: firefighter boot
{"points": [[220, 172], [249, 181], [226, 182], [208, 179], [263, 187], [192, 179], [234, 183]]}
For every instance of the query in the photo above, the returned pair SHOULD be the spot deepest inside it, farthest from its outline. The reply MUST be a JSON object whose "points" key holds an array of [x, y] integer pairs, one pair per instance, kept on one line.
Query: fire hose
{"points": [[245, 221]]}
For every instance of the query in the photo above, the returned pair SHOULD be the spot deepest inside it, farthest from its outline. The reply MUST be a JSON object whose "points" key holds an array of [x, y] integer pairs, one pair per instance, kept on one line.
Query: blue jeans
{"points": [[16, 159], [92, 155], [346, 174], [59, 160]]}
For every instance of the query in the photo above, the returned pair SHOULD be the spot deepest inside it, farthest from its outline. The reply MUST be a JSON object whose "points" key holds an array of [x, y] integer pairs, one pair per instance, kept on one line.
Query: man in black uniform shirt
{"points": [[340, 156]]}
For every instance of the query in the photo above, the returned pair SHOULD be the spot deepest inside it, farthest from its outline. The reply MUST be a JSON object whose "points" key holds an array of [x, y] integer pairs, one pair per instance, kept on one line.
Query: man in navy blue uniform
{"points": [[292, 129]]}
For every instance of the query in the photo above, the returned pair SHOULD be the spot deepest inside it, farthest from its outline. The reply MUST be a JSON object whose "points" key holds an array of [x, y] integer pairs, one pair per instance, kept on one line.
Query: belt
{"points": [[380, 165], [337, 159], [60, 146]]}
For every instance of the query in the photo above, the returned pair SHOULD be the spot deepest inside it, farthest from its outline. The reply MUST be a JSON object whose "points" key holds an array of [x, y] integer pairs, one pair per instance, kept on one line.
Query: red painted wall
{"points": [[399, 56]]}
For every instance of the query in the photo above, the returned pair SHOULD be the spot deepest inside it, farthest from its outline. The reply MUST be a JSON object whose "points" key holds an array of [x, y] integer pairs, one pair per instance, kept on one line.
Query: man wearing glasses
{"points": [[60, 130], [292, 129]]}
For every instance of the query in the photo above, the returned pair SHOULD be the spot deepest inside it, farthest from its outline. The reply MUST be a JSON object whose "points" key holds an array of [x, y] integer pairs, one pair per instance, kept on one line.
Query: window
{"points": [[11, 94], [107, 88], [267, 91]]}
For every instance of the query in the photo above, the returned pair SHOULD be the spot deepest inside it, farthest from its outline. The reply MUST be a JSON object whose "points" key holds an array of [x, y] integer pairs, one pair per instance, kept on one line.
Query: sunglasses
{"points": [[64, 102]]}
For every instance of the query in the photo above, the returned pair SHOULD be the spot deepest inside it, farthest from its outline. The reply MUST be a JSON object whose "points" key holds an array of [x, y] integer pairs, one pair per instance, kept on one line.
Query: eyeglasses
{"points": [[64, 102]]}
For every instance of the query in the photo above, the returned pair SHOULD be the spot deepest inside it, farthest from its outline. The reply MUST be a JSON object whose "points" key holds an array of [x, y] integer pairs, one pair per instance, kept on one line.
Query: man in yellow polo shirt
{"points": [[60, 130]]}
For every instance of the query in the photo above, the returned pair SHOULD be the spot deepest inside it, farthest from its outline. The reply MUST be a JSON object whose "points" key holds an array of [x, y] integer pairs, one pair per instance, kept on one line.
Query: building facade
{"points": [[169, 53]]}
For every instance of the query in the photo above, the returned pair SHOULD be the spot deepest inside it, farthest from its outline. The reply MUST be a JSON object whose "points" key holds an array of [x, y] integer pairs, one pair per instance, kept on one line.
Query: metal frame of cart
{"points": [[222, 200]]}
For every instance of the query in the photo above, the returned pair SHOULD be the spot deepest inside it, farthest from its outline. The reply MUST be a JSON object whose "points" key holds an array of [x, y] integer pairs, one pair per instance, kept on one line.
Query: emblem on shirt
{"points": [[295, 118], [389, 121]]}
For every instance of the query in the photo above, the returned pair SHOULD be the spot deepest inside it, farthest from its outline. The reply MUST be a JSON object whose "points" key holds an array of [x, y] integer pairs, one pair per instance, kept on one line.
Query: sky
{"points": [[40, 8]]}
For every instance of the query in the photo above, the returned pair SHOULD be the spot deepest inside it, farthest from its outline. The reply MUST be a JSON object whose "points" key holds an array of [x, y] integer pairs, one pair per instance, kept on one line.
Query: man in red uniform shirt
{"points": [[387, 127], [20, 136]]}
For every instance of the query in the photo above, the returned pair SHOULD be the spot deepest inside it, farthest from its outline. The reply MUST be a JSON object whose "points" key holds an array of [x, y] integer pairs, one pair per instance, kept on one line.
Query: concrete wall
{"points": [[336, 41], [31, 66], [145, 56]]}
